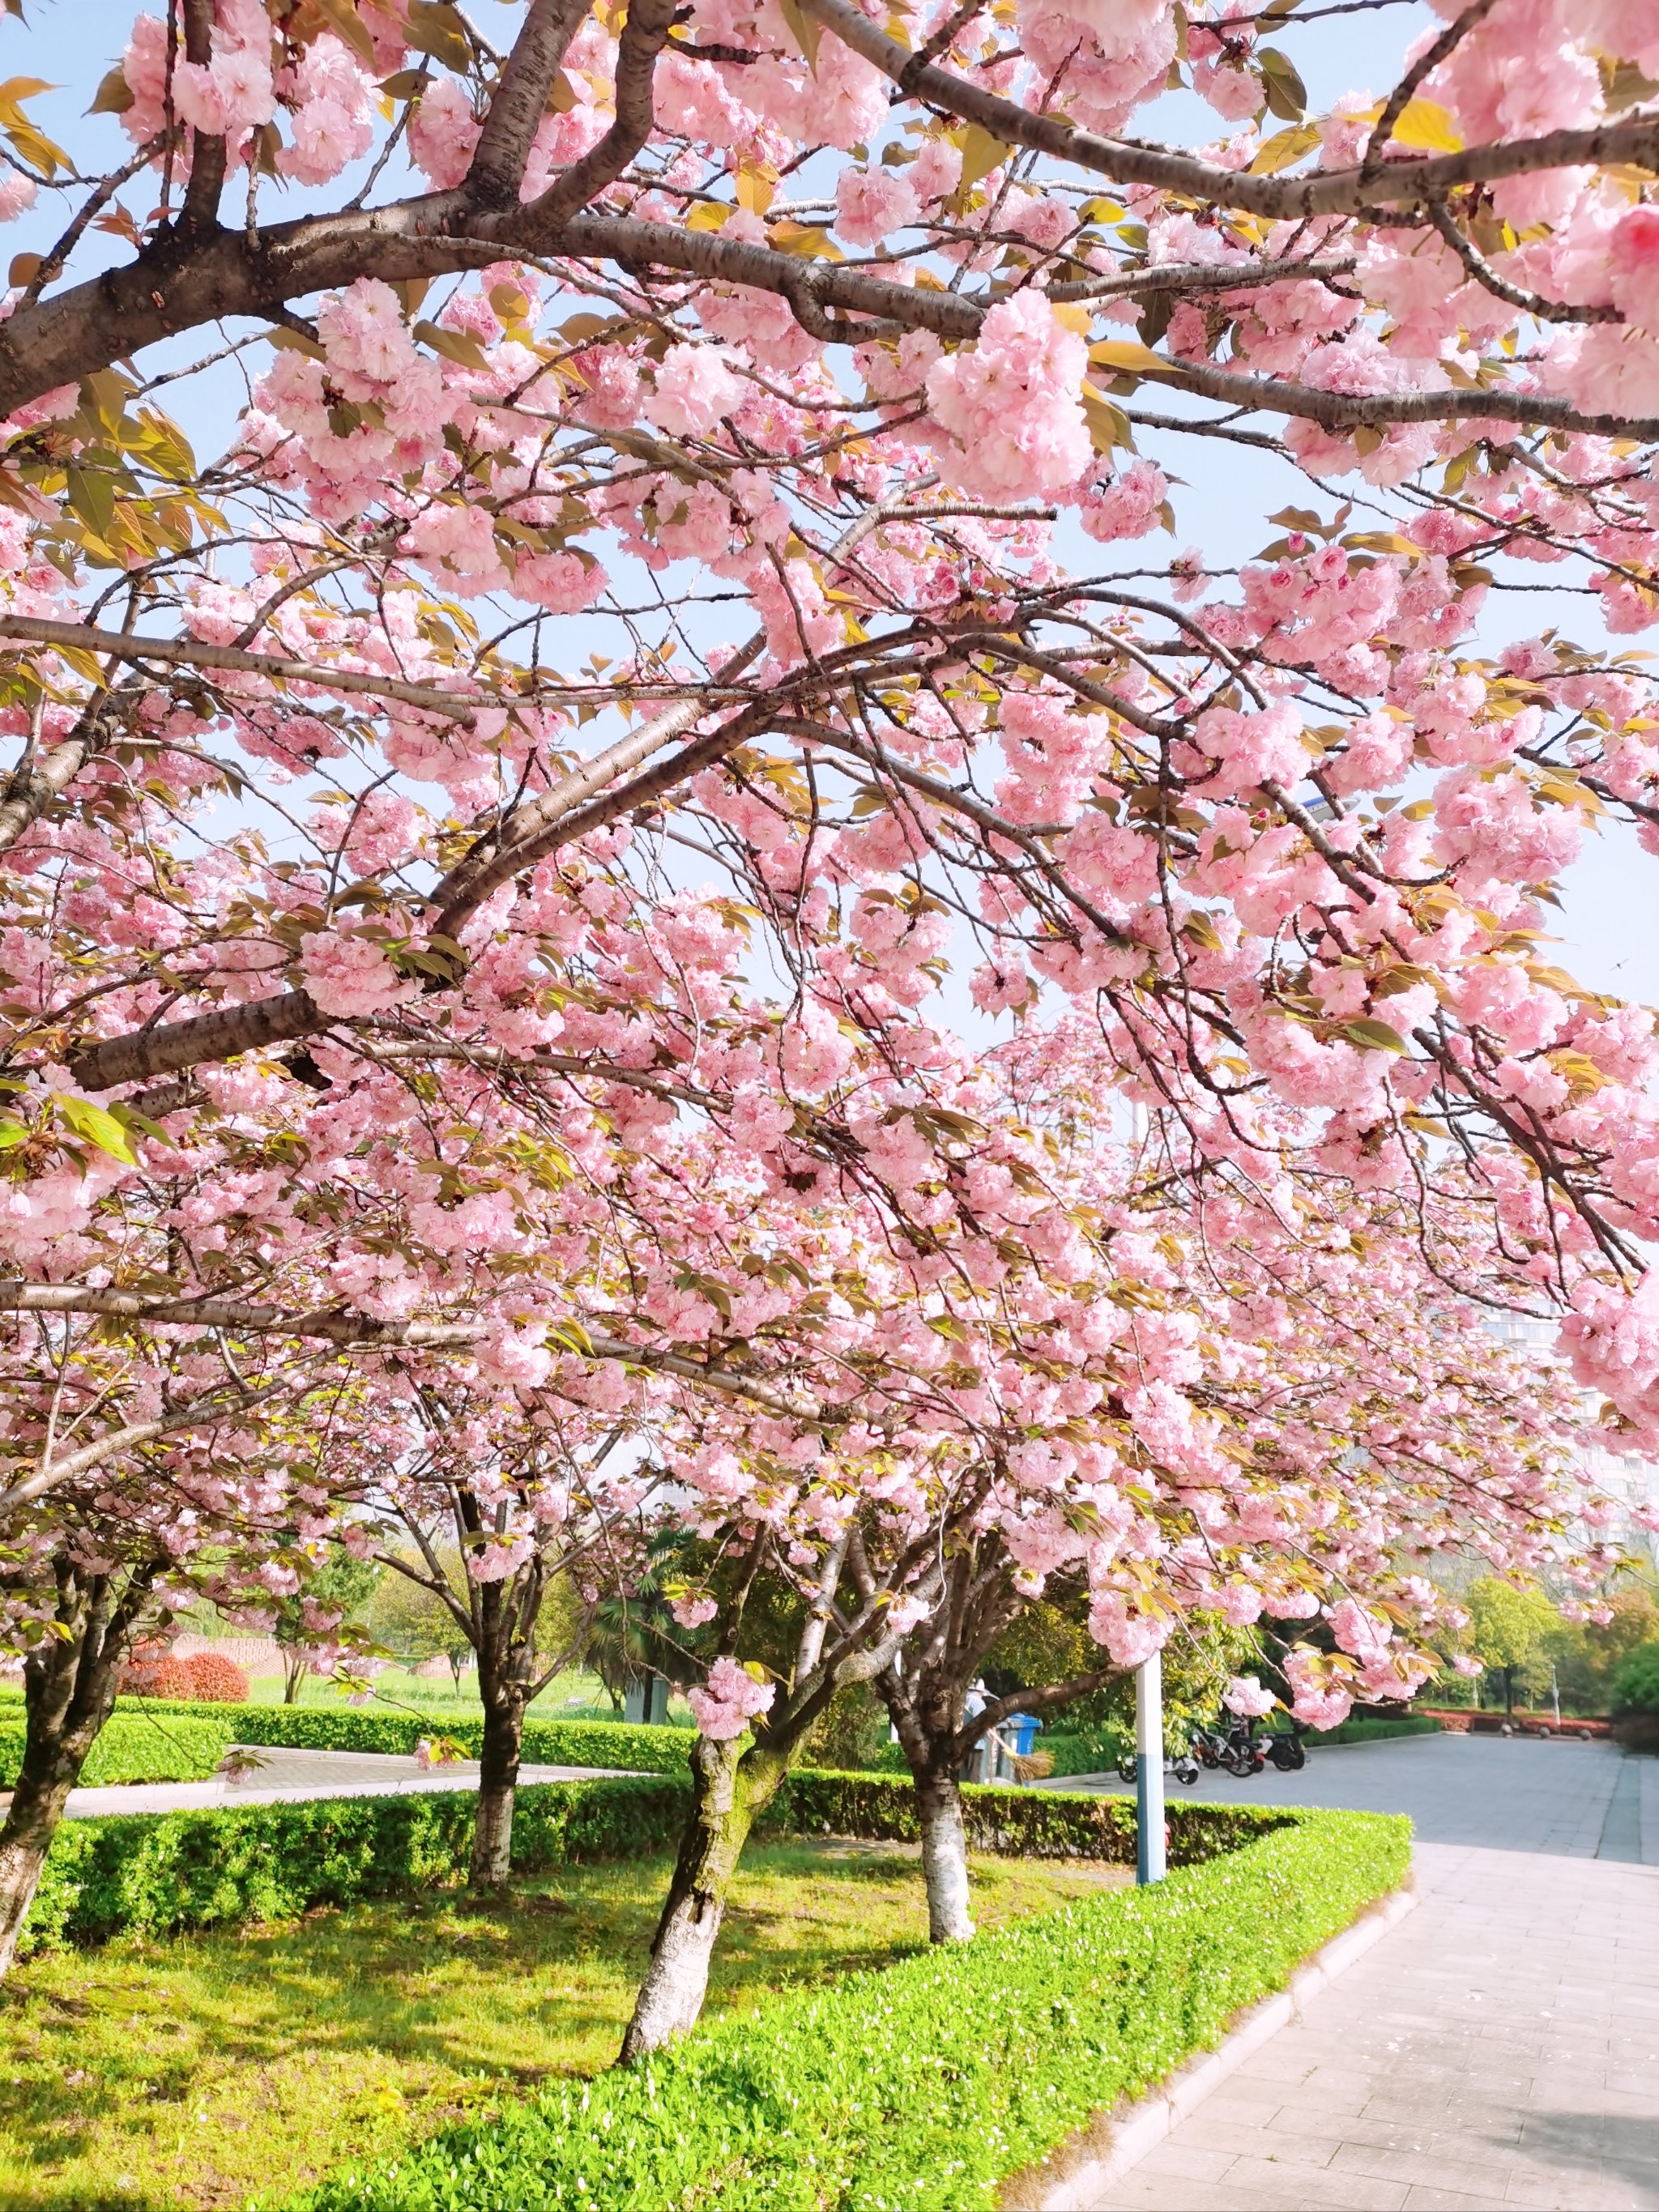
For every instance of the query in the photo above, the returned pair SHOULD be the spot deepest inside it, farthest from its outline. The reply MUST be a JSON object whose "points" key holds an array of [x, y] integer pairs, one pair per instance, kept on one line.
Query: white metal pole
{"points": [[1148, 1771]]}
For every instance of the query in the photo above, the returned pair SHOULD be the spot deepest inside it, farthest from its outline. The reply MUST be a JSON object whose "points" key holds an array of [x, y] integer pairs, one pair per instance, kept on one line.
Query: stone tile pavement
{"points": [[285, 1775], [1519, 1793], [1499, 2048]]}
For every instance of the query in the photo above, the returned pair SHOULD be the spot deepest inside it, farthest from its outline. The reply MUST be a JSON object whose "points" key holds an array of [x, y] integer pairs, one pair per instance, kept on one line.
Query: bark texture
{"points": [[943, 1858], [68, 1689], [730, 1788], [498, 1782]]}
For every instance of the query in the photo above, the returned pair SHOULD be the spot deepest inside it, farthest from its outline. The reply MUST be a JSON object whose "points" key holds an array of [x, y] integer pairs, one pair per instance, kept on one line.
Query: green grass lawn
{"points": [[152, 2076], [573, 1695]]}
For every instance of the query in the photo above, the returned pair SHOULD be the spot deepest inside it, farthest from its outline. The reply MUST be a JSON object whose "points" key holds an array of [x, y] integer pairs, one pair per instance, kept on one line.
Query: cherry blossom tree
{"points": [[489, 849], [496, 1511], [140, 1476]]}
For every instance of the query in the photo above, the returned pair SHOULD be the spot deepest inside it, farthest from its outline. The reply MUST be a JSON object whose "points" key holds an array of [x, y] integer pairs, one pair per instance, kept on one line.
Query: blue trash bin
{"points": [[1019, 1731]]}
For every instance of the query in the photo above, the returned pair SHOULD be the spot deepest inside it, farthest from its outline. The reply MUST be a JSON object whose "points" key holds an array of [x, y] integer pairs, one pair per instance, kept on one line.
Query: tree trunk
{"points": [[498, 1782], [37, 1806], [729, 1789], [68, 1689], [295, 1671], [923, 1712], [943, 1857]]}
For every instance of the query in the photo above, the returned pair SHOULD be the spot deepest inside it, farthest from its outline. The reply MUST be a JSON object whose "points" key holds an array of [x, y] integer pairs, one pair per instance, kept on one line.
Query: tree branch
{"points": [[122, 645], [1332, 192], [364, 1332], [520, 101], [644, 34]]}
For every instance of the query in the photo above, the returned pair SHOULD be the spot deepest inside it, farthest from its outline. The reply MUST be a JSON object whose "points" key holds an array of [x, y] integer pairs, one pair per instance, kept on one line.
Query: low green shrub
{"points": [[1636, 1685], [1035, 1824], [347, 1727], [136, 1748], [1373, 1731], [1089, 1751], [926, 2085], [149, 1874]]}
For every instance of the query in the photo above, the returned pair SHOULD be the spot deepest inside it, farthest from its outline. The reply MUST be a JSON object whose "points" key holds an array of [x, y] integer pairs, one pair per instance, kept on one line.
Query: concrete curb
{"points": [[1140, 2127]]}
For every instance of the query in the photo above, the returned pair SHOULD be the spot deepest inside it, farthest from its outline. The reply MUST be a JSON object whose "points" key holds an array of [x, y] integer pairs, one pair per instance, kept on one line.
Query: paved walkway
{"points": [[284, 1776], [1500, 2047], [1504, 1793]]}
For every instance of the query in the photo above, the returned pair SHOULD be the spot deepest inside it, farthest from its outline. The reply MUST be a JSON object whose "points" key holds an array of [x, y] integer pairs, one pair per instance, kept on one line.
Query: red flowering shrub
{"points": [[213, 1679], [152, 1671]]}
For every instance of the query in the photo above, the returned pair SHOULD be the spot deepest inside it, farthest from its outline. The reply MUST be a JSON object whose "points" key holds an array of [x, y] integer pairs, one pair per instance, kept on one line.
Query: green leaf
{"points": [[1374, 1035], [459, 346], [981, 154], [91, 494], [114, 96], [804, 29], [97, 1126], [436, 28], [12, 1134], [1287, 96]]}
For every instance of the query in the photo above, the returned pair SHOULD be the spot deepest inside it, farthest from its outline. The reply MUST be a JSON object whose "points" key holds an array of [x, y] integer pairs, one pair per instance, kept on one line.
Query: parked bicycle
{"points": [[1232, 1746]]}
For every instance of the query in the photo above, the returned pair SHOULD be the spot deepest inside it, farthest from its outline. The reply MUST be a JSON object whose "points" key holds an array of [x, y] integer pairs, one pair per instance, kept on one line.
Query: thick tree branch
{"points": [[364, 1332], [106, 1447], [1332, 192], [1033, 1701], [520, 101], [644, 34]]}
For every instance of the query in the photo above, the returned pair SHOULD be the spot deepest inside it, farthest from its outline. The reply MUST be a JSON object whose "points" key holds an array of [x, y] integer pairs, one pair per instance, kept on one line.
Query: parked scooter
{"points": [[1286, 1750], [1242, 1751], [1182, 1764]]}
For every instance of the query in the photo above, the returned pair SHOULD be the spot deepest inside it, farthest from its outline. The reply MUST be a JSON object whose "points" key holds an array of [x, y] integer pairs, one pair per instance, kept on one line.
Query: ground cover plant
{"points": [[157, 2076], [929, 2083]]}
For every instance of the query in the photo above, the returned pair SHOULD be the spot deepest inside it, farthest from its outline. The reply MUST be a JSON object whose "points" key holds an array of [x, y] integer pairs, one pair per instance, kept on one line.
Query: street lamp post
{"points": [[1148, 1771]]}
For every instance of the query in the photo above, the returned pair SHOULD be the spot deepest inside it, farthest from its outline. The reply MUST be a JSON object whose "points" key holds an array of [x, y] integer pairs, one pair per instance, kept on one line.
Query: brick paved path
{"points": [[1500, 2047]]}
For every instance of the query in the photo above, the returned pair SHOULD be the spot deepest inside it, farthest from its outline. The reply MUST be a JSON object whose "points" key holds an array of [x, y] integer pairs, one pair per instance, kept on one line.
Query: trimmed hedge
{"points": [[149, 1873], [135, 1747], [154, 1873], [1011, 1823], [546, 1743], [1374, 1731], [926, 2085]]}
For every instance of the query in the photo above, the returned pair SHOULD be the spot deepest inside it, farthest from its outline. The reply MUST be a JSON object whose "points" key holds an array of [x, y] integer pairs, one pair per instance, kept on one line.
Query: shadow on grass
{"points": [[244, 2058]]}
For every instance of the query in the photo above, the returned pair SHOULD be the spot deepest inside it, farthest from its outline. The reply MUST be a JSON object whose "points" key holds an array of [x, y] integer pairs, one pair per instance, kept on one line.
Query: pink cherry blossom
{"points": [[351, 975], [1245, 1696], [731, 1700]]}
